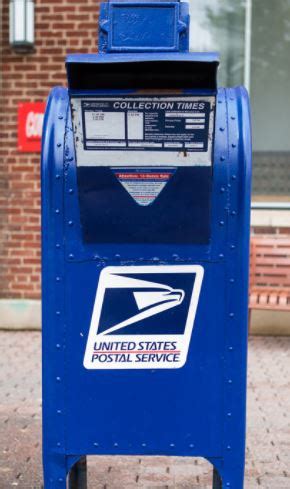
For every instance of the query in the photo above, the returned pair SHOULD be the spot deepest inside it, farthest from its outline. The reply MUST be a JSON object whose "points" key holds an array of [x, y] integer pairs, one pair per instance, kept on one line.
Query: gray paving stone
{"points": [[268, 434]]}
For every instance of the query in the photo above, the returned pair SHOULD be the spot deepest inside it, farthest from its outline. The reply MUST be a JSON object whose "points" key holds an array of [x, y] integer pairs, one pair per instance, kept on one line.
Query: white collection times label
{"points": [[143, 131]]}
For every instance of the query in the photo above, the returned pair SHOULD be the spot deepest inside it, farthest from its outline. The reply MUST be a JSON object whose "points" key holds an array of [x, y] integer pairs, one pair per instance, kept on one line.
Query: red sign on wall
{"points": [[30, 122]]}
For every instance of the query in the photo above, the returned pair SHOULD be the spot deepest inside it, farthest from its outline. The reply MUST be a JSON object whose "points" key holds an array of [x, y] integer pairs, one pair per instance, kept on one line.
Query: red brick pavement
{"points": [[268, 452]]}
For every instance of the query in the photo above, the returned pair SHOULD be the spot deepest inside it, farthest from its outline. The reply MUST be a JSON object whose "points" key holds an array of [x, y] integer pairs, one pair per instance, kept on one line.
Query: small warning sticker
{"points": [[144, 184], [143, 317]]}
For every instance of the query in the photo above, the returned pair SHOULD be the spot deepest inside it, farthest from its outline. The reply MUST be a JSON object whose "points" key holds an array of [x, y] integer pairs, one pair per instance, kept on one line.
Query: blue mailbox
{"points": [[145, 223]]}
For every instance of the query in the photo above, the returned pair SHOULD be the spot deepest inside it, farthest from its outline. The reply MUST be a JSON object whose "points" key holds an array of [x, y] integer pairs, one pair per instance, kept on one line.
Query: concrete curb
{"points": [[20, 314], [270, 323], [25, 314]]}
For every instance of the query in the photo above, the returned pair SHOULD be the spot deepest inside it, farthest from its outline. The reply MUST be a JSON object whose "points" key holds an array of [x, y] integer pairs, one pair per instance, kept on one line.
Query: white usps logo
{"points": [[151, 297], [143, 316]]}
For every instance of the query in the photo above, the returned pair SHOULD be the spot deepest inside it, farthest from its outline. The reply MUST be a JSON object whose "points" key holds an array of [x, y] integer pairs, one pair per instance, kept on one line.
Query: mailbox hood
{"points": [[147, 70]]}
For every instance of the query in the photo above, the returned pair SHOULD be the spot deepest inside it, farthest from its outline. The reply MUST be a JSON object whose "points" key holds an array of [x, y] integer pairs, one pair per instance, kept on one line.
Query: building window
{"points": [[253, 37]]}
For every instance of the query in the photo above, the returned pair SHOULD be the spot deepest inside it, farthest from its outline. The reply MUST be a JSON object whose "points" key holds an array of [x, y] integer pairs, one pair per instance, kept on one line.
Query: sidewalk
{"points": [[268, 452]]}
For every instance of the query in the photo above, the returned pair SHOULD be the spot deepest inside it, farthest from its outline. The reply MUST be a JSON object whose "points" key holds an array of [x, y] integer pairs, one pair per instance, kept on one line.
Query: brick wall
{"points": [[271, 230], [61, 27]]}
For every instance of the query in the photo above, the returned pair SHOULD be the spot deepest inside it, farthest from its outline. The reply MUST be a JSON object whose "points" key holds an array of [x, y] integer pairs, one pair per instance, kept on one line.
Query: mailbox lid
{"points": [[153, 189], [183, 74]]}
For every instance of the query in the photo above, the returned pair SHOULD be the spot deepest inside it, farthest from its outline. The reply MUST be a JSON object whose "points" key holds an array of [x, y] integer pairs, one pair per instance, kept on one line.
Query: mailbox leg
{"points": [[78, 475], [231, 476], [54, 471], [216, 480]]}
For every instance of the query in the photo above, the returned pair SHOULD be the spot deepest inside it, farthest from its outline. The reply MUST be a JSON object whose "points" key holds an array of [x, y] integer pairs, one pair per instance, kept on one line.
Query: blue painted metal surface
{"points": [[196, 410], [144, 26]]}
